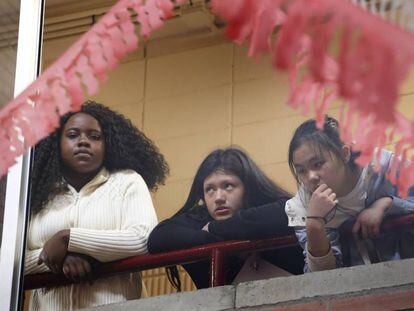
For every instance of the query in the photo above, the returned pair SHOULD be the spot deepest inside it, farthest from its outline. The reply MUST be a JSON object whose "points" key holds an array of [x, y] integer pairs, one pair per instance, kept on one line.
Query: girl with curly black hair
{"points": [[90, 203]]}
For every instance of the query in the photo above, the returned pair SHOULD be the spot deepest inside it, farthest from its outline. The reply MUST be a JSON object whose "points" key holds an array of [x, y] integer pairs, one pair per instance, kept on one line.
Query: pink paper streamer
{"points": [[367, 71], [373, 60], [82, 68]]}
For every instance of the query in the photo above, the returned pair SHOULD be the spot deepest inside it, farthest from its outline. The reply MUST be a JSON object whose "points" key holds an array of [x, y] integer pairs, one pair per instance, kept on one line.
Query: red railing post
{"points": [[217, 267]]}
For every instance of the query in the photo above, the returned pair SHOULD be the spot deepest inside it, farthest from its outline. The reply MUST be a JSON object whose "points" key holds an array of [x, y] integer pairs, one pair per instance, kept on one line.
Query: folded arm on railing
{"points": [[150, 261], [213, 252]]}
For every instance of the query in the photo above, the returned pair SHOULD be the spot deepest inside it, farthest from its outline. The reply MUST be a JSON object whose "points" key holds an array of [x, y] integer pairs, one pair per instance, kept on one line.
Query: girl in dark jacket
{"points": [[230, 198]]}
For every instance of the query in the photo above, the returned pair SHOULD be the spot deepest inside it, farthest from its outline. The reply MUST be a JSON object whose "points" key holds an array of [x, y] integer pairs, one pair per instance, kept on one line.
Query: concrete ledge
{"points": [[327, 289], [325, 283], [211, 299]]}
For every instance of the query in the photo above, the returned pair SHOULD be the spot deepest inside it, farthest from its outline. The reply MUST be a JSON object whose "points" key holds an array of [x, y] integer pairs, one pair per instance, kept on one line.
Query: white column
{"points": [[15, 213]]}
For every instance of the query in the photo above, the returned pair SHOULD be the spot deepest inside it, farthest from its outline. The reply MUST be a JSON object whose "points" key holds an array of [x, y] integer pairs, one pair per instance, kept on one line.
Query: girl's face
{"points": [[223, 194], [314, 168], [82, 145]]}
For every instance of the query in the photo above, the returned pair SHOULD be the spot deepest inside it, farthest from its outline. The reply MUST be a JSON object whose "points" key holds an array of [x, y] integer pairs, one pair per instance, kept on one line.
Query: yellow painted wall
{"points": [[200, 98]]}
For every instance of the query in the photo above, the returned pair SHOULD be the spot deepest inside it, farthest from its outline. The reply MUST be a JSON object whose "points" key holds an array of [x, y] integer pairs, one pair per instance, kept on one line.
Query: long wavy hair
{"points": [[259, 189], [126, 147]]}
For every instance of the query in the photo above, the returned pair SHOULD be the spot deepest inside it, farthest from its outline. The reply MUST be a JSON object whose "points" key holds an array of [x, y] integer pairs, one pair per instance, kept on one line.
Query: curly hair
{"points": [[126, 147]]}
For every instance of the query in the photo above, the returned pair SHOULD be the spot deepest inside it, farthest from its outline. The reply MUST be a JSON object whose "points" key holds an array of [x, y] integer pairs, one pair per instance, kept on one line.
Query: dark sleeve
{"points": [[254, 223], [178, 232]]}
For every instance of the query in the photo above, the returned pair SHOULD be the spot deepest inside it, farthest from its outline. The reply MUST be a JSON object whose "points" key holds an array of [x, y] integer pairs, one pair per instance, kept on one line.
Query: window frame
{"points": [[15, 222]]}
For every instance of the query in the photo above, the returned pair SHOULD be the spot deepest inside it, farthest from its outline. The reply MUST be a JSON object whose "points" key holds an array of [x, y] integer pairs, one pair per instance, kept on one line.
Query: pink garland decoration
{"points": [[36, 111], [373, 60], [367, 71]]}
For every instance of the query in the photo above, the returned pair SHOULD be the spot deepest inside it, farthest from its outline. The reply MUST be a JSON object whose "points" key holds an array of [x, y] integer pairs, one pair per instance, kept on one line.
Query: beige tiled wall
{"points": [[206, 97], [196, 100], [212, 97]]}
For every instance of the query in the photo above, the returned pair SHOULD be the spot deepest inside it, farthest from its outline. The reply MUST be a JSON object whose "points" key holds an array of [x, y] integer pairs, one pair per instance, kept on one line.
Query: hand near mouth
{"points": [[323, 200]]}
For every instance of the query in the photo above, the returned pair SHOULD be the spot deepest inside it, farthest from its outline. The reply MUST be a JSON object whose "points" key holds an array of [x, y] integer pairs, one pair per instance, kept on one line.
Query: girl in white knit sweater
{"points": [[90, 203]]}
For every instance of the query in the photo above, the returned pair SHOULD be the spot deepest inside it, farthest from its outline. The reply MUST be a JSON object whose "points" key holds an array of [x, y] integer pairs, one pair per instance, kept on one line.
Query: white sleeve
{"points": [[295, 212], [138, 220], [30, 263], [326, 262]]}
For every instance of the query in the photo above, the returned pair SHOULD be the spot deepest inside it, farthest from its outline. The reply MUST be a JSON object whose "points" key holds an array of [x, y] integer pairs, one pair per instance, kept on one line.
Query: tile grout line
{"points": [[232, 95]]}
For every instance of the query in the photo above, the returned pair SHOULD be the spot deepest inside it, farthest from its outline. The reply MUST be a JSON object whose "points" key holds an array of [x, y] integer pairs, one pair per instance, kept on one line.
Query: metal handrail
{"points": [[216, 253], [150, 261]]}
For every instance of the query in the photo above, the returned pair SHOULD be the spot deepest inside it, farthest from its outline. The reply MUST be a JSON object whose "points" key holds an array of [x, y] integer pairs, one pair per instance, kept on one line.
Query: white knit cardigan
{"points": [[110, 218]]}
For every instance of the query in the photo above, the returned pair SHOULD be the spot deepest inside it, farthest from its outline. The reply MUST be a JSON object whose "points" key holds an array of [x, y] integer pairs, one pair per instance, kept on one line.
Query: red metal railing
{"points": [[216, 253]]}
